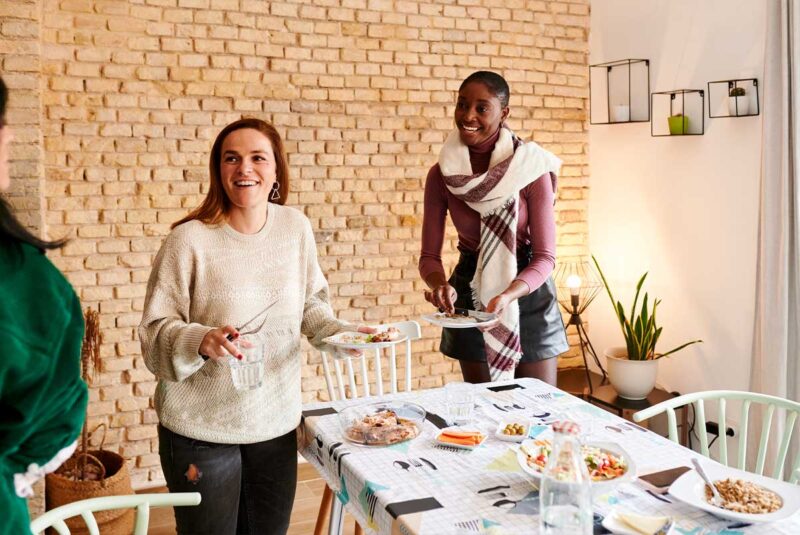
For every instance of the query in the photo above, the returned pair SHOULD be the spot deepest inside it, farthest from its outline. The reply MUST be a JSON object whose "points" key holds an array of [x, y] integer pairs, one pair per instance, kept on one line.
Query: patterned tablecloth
{"points": [[416, 487]]}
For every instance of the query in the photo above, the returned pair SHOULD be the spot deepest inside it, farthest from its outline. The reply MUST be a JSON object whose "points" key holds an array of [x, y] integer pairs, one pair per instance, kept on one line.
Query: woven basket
{"points": [[61, 490]]}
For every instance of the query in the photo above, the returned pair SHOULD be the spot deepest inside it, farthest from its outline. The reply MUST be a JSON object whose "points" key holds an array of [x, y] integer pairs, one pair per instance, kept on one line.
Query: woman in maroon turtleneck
{"points": [[480, 113]]}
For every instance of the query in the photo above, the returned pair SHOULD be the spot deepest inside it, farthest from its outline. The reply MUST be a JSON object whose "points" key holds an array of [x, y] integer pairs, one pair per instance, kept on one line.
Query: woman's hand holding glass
{"points": [[218, 343]]}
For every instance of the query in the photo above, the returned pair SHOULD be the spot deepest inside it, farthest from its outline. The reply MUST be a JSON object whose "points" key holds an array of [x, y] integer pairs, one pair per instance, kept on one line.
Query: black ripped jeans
{"points": [[245, 488]]}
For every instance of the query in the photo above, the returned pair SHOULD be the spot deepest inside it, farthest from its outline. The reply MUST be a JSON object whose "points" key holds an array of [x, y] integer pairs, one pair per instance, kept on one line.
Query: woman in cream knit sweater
{"points": [[237, 253]]}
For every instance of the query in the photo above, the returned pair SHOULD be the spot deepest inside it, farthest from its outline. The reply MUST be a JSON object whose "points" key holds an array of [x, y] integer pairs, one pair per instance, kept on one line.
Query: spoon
{"points": [[716, 499]]}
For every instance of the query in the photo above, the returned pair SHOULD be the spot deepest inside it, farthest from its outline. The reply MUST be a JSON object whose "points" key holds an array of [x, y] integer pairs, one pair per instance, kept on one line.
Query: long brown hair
{"points": [[216, 204], [11, 230]]}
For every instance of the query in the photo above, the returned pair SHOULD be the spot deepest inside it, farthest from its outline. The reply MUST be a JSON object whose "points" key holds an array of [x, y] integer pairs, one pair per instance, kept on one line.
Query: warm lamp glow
{"points": [[574, 284]]}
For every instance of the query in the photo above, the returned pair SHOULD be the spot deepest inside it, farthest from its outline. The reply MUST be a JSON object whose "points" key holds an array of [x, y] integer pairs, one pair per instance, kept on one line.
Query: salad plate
{"points": [[608, 464]]}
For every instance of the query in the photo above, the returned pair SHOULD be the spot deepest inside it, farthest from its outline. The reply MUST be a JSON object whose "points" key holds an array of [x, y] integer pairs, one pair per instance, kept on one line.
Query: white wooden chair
{"points": [[342, 384], [142, 502], [768, 404]]}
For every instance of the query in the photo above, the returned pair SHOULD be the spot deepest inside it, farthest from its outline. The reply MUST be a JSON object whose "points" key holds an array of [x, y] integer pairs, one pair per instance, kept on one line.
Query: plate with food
{"points": [[383, 423], [461, 318], [607, 463], [463, 438], [512, 430], [354, 340], [747, 497]]}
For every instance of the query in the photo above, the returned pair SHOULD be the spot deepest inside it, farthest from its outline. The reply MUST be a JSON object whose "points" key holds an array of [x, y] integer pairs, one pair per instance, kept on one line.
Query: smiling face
{"points": [[247, 169], [478, 114]]}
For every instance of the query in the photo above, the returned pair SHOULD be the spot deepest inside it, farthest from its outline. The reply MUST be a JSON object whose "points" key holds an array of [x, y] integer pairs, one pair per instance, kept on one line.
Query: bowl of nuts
{"points": [[513, 431]]}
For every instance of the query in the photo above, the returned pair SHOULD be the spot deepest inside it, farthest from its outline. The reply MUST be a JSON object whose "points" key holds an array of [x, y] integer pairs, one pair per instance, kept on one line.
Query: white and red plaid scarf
{"points": [[495, 196]]}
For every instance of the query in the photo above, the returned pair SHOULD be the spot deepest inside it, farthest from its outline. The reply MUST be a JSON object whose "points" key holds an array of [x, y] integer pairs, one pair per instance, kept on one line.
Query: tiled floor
{"points": [[304, 514]]}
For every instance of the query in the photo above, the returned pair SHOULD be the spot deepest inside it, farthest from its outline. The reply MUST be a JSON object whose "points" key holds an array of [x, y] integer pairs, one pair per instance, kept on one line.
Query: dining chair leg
{"points": [[324, 510], [337, 518]]}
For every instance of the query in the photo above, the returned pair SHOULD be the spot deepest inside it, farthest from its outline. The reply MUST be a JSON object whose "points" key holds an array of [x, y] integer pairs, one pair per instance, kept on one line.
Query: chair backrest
{"points": [[142, 502], [768, 404], [335, 377]]}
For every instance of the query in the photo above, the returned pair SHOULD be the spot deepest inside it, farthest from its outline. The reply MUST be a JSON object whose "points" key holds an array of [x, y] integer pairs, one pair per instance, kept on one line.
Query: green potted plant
{"points": [[738, 103], [678, 124], [632, 369]]}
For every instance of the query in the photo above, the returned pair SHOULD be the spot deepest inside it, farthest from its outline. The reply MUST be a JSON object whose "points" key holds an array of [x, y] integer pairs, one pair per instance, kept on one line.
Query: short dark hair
{"points": [[11, 230], [496, 84]]}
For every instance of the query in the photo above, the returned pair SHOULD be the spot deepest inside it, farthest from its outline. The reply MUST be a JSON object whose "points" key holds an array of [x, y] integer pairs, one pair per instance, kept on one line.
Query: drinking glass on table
{"points": [[248, 373], [460, 399]]}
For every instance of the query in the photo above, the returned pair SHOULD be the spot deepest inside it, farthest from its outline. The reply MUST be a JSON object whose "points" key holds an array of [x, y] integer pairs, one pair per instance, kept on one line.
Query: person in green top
{"points": [[42, 397]]}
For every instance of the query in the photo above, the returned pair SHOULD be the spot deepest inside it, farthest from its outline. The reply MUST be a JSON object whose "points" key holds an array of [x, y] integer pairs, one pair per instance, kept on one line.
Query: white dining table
{"points": [[418, 487]]}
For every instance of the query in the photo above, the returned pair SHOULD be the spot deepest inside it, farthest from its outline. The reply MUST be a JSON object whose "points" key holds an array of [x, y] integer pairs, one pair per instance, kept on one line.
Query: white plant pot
{"points": [[621, 113], [743, 106], [632, 379]]}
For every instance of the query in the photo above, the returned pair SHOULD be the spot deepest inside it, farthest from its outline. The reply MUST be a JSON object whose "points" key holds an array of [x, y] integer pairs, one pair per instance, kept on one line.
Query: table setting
{"points": [[461, 459]]}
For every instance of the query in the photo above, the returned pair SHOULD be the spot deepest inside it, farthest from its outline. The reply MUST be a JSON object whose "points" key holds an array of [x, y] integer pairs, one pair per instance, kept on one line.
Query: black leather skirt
{"points": [[541, 328]]}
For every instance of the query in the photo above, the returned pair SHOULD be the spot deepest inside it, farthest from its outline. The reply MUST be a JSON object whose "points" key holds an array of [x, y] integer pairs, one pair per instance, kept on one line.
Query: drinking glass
{"points": [[247, 373], [460, 402]]}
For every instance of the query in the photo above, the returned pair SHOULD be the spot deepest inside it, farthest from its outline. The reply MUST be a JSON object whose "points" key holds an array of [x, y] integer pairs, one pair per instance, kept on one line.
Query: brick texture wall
{"points": [[116, 103]]}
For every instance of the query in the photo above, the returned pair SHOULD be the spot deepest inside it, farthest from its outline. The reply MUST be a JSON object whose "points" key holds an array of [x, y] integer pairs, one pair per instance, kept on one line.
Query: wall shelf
{"points": [[680, 112], [619, 92], [722, 104]]}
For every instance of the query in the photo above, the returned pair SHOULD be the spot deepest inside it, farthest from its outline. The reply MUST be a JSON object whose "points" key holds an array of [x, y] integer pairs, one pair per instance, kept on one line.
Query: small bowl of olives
{"points": [[513, 430]]}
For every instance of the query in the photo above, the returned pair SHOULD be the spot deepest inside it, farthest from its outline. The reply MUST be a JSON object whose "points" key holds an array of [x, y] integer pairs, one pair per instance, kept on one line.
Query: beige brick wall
{"points": [[20, 66], [117, 103]]}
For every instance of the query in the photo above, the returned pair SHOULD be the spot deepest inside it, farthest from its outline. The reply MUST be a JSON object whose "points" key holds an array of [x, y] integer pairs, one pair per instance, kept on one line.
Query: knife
{"points": [[248, 322]]}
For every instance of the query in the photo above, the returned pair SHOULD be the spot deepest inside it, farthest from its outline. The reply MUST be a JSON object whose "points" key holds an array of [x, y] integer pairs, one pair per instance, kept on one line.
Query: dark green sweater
{"points": [[42, 397]]}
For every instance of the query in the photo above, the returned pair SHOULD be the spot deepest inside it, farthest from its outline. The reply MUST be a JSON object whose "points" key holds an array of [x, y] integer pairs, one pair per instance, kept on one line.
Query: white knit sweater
{"points": [[207, 276]]}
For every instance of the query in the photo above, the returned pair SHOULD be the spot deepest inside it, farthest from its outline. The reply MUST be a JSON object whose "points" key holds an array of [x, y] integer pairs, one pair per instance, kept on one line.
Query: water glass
{"points": [[460, 402], [247, 373]]}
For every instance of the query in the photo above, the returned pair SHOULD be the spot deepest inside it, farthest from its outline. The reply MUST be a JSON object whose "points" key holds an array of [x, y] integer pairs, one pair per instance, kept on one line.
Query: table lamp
{"points": [[578, 284]]}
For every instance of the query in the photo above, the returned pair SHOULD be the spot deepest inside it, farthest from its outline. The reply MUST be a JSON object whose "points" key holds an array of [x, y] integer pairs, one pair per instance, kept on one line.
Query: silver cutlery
{"points": [[716, 499], [248, 322]]}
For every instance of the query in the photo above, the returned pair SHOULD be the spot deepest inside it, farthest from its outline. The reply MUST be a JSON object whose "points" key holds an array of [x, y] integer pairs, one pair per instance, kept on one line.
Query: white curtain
{"points": [[776, 349]]}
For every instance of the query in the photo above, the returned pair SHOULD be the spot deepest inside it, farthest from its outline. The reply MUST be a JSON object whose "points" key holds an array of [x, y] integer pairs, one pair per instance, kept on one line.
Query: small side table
{"points": [[606, 397]]}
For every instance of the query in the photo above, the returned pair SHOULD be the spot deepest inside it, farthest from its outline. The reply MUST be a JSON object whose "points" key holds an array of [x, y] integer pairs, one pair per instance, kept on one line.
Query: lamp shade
{"points": [[577, 283]]}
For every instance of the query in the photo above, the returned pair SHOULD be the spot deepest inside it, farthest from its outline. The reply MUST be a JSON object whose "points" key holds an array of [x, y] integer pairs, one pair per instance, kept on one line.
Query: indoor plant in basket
{"points": [[91, 473], [632, 369], [738, 104]]}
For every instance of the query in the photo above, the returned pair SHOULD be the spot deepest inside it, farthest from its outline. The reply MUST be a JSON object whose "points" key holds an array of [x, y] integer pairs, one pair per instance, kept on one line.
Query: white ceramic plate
{"points": [[460, 446], [356, 340], [598, 487], [526, 427], [689, 488], [474, 319]]}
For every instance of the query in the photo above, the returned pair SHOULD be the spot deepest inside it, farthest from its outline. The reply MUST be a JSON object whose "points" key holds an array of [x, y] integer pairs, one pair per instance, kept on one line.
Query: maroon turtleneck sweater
{"points": [[536, 225]]}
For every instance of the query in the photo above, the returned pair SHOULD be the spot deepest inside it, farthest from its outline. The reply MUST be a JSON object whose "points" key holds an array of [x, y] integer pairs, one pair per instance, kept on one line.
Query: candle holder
{"points": [[578, 283]]}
